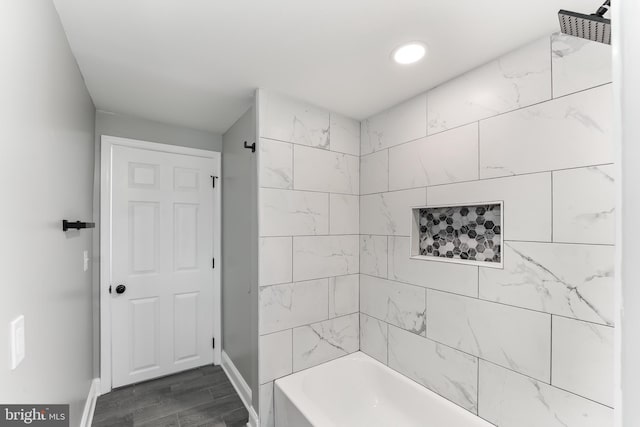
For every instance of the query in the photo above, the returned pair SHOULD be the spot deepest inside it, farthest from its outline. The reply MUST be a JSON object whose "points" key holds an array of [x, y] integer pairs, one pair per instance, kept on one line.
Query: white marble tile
{"points": [[374, 172], [389, 213], [583, 359], [527, 202], [515, 80], [344, 214], [324, 341], [345, 135], [404, 122], [322, 170], [578, 64], [266, 405], [344, 292], [286, 213], [373, 337], [572, 131], [293, 304], [446, 371], [456, 278], [325, 256], [275, 356], [511, 337], [286, 119], [569, 280], [276, 164], [373, 255], [584, 205], [276, 260], [444, 158], [396, 303], [508, 399]]}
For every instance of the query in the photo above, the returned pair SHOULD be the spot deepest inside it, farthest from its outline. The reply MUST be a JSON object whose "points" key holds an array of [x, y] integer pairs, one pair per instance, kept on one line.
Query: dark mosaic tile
{"points": [[464, 232]]}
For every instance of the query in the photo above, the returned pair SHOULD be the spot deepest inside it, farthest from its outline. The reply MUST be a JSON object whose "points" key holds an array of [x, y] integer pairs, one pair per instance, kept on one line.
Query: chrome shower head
{"points": [[594, 27]]}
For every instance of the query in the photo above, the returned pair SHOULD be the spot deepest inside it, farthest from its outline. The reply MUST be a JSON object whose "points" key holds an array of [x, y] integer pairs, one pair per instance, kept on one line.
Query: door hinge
{"points": [[213, 263], [213, 180], [109, 288], [213, 342]]}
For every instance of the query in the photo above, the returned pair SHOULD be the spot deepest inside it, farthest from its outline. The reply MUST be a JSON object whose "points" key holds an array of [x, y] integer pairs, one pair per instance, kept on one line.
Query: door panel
{"points": [[161, 250]]}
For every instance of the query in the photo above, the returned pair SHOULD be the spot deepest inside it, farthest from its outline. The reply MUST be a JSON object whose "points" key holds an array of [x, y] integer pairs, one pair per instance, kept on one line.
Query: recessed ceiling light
{"points": [[409, 53]]}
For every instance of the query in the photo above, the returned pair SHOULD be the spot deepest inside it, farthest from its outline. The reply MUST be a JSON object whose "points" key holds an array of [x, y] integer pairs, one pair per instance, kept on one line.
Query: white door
{"points": [[161, 272]]}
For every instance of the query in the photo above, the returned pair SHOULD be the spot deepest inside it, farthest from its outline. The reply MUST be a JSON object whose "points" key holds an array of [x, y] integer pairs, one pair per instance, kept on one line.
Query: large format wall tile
{"points": [[402, 123], [266, 405], [276, 260], [569, 280], [518, 79], [293, 304], [374, 172], [345, 135], [439, 159], [325, 256], [276, 164], [344, 295], [286, 213], [508, 399], [389, 213], [578, 64], [373, 255], [450, 373], [456, 278], [511, 337], [583, 359], [321, 170], [571, 131], [289, 120], [373, 337], [527, 202], [584, 205], [275, 356], [324, 341], [396, 303], [344, 214]]}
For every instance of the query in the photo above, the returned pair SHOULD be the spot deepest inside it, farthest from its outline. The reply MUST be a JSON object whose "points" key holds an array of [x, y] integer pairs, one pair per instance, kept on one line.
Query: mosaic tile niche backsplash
{"points": [[462, 232]]}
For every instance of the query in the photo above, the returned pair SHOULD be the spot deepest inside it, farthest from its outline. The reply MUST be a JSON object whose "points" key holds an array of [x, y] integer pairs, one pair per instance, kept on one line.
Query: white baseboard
{"points": [[241, 386], [90, 404]]}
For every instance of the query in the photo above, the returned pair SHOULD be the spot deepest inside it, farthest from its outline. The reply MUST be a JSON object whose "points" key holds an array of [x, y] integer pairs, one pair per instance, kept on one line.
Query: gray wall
{"points": [[239, 250], [46, 171], [124, 126], [627, 92]]}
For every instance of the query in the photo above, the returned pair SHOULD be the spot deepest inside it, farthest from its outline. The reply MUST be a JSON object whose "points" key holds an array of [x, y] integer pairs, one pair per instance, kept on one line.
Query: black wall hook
{"points": [[252, 146], [77, 225]]}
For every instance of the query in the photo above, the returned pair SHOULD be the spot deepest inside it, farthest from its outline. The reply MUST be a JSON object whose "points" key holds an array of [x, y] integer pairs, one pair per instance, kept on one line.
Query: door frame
{"points": [[107, 143]]}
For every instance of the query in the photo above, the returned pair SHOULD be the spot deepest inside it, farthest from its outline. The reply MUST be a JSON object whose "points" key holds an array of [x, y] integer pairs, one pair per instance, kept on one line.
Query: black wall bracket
{"points": [[77, 225], [252, 146]]}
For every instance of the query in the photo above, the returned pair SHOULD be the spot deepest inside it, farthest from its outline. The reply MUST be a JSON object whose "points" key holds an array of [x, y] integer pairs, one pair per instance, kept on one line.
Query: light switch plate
{"points": [[17, 341], [85, 260]]}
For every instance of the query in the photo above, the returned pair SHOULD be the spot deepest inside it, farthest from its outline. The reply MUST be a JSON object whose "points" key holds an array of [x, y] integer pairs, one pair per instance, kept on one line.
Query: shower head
{"points": [[594, 27]]}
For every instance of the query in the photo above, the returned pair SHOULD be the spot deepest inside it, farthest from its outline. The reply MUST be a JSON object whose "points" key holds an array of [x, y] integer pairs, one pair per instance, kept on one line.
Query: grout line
{"points": [[551, 351], [552, 205]]}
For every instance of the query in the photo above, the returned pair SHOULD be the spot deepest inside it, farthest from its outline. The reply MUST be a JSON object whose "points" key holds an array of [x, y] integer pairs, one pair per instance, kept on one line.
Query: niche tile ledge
{"points": [[469, 233]]}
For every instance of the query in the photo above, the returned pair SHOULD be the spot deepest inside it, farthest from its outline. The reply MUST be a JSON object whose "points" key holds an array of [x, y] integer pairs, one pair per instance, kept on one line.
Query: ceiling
{"points": [[196, 63]]}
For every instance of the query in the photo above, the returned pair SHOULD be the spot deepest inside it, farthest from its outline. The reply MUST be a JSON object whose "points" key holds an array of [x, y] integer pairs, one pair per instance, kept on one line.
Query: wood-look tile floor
{"points": [[198, 397]]}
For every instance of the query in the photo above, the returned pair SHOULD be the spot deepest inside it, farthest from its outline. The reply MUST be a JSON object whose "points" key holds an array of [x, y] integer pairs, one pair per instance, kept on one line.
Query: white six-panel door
{"points": [[162, 242]]}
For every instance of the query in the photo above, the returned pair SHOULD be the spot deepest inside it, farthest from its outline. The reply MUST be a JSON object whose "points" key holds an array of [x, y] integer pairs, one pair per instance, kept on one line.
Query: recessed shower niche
{"points": [[464, 234]]}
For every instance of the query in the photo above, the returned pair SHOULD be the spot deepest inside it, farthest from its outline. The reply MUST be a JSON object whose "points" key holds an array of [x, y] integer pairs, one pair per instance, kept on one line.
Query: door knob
{"points": [[120, 289]]}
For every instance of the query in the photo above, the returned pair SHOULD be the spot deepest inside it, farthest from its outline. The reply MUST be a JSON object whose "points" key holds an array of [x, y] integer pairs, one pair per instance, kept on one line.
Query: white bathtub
{"points": [[357, 390]]}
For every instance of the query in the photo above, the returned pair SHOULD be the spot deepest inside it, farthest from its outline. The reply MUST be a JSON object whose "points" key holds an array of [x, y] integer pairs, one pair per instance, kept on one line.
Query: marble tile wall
{"points": [[309, 202], [529, 344]]}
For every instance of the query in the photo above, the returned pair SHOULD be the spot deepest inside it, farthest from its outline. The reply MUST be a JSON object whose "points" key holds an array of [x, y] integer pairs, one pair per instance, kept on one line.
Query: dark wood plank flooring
{"points": [[198, 397]]}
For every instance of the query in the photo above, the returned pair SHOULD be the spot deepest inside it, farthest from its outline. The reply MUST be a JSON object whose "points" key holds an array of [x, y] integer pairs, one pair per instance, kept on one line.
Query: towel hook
{"points": [[252, 146]]}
